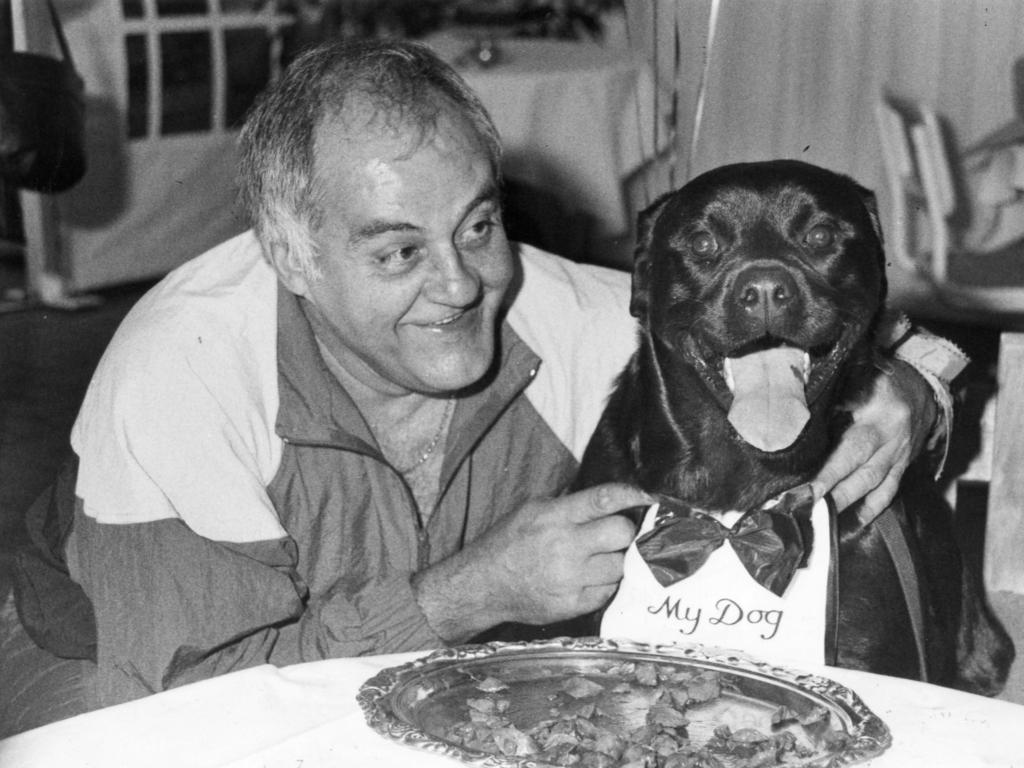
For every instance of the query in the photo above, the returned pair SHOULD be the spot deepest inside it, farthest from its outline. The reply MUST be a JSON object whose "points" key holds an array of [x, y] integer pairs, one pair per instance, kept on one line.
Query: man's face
{"points": [[413, 255]]}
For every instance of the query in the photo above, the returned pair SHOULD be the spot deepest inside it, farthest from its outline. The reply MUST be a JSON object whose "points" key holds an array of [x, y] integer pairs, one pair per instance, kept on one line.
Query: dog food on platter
{"points": [[580, 731], [594, 702]]}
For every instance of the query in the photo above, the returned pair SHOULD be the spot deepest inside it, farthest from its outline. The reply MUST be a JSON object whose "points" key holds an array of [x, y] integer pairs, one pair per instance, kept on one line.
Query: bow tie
{"points": [[771, 542]]}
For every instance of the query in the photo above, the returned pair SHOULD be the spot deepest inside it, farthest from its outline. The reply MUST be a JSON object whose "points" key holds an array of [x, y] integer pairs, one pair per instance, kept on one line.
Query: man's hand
{"points": [[888, 431], [549, 560]]}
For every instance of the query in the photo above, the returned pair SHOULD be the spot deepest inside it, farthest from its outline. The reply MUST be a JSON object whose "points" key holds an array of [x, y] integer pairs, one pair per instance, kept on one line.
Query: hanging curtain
{"points": [[799, 78]]}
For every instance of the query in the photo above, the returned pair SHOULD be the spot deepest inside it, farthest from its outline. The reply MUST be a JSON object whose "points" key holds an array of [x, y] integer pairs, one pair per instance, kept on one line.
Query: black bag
{"points": [[42, 114]]}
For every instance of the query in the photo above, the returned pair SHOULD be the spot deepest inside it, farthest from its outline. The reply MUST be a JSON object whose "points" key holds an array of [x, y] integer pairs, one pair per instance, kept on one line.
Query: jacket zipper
{"points": [[422, 537]]}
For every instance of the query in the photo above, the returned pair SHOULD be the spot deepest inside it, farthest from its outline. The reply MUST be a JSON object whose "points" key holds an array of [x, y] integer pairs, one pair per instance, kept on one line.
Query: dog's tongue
{"points": [[768, 408]]}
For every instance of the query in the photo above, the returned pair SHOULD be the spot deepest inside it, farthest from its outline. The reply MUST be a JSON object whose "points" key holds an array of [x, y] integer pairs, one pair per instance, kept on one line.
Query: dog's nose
{"points": [[764, 291]]}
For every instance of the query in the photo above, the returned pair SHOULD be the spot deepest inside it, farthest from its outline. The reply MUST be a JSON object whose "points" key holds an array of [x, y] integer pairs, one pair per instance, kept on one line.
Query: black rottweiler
{"points": [[769, 277]]}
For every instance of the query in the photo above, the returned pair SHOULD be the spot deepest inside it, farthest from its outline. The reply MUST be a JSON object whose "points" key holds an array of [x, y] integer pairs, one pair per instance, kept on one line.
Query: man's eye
{"points": [[400, 258], [703, 244], [820, 236], [479, 232]]}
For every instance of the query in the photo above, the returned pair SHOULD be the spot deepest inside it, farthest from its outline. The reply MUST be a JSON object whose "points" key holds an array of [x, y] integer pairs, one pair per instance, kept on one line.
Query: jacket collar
{"points": [[314, 409]]}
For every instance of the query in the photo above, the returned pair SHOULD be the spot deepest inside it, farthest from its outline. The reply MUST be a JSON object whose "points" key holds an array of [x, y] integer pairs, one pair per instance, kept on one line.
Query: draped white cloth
{"points": [[307, 716]]}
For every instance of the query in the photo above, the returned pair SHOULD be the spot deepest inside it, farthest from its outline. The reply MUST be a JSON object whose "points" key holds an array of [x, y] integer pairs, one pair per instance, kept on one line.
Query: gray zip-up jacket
{"points": [[231, 506]]}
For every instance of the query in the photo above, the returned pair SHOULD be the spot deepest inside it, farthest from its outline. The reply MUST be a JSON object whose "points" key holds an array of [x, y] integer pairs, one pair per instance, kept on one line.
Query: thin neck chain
{"points": [[432, 445], [341, 376]]}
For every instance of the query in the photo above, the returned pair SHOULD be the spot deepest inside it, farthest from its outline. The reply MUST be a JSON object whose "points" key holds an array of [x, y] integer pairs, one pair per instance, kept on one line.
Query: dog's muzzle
{"points": [[765, 301]]}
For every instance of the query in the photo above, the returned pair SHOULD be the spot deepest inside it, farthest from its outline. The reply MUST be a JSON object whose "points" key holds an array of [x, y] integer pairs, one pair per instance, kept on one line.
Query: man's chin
{"points": [[455, 374]]}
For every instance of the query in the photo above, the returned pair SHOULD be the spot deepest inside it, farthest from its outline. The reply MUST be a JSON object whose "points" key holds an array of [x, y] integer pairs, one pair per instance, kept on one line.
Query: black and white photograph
{"points": [[511, 383]]}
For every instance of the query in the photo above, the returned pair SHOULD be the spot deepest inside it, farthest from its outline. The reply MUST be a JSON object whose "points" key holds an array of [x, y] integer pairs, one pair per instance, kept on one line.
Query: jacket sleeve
{"points": [[172, 607], [176, 542], [938, 361], [375, 614]]}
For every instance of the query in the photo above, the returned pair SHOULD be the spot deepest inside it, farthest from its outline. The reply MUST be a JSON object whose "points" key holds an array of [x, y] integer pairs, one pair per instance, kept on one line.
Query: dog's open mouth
{"points": [[766, 386], [769, 404]]}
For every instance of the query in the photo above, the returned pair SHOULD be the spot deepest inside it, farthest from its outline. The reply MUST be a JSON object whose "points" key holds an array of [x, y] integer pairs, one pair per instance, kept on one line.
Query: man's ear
{"points": [[291, 270], [641, 257]]}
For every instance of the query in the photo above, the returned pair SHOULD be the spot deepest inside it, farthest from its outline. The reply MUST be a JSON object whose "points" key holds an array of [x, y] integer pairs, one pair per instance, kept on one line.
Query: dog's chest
{"points": [[722, 605]]}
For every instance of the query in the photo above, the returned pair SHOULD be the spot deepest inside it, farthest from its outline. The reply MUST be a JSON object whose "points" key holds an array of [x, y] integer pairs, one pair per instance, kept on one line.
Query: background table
{"points": [[306, 716], [575, 118]]}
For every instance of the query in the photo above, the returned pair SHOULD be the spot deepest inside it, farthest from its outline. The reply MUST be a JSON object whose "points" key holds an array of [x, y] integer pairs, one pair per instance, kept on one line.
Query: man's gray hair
{"points": [[400, 80]]}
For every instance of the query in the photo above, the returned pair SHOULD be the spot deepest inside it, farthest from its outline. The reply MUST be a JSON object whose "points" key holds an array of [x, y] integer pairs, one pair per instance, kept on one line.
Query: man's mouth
{"points": [[447, 321]]}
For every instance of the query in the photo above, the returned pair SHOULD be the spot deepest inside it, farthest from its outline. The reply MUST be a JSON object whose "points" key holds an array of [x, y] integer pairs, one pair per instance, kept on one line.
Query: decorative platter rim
{"points": [[868, 734]]}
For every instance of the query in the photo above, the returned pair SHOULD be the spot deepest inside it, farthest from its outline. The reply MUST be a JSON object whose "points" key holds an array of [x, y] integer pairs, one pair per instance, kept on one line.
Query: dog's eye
{"points": [[703, 244], [820, 236]]}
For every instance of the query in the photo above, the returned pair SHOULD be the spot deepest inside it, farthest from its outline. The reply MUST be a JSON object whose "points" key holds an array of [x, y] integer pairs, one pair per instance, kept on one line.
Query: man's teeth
{"points": [[449, 319]]}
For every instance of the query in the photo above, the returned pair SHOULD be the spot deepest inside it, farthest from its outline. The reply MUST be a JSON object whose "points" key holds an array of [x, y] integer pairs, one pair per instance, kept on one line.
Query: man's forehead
{"points": [[363, 132], [388, 177], [361, 117]]}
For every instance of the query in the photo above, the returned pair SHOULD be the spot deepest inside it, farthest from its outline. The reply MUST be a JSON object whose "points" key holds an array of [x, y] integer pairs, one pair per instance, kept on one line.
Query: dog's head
{"points": [[780, 255]]}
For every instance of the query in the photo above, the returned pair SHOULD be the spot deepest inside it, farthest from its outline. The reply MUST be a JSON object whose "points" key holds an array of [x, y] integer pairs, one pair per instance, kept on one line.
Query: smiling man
{"points": [[349, 430]]}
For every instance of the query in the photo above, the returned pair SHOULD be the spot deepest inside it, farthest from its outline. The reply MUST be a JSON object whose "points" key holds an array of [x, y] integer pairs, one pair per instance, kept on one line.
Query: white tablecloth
{"points": [[574, 117], [306, 716]]}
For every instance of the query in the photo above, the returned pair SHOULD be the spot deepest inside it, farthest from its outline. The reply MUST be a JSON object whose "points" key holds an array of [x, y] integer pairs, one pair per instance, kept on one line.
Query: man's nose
{"points": [[454, 281]]}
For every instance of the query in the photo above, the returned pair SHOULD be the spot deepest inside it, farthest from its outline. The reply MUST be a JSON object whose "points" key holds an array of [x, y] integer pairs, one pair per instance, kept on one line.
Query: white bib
{"points": [[722, 606]]}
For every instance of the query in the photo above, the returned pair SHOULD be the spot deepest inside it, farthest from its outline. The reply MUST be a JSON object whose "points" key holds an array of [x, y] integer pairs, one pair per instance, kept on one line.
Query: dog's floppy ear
{"points": [[641, 258], [870, 203], [867, 197]]}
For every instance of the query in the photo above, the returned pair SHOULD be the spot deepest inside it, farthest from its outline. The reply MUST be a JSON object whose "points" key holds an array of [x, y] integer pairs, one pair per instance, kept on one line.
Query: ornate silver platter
{"points": [[504, 704]]}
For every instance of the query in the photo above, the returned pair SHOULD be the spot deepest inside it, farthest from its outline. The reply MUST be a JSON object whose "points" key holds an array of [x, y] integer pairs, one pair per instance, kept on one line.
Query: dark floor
{"points": [[47, 357]]}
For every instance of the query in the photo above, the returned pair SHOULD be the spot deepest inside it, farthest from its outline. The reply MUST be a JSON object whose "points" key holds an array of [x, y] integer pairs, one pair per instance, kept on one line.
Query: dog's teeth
{"points": [[730, 382], [807, 366]]}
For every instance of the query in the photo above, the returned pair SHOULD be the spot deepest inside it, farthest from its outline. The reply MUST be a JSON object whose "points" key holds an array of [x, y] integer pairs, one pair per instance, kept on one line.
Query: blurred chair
{"points": [[941, 204], [939, 229]]}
